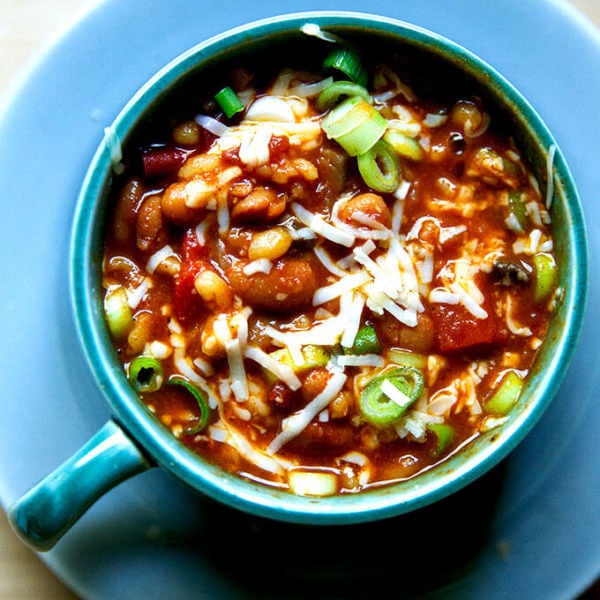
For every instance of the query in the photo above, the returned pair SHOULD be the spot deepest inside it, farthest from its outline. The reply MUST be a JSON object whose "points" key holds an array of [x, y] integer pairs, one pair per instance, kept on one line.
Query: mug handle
{"points": [[47, 511]]}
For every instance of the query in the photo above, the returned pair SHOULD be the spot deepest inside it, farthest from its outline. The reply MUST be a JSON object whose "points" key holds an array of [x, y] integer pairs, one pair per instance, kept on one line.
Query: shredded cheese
{"points": [[282, 371], [293, 425], [321, 227]]}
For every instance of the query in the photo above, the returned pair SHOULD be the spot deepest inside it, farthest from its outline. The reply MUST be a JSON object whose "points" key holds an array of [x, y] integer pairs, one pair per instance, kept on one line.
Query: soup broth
{"points": [[323, 277]]}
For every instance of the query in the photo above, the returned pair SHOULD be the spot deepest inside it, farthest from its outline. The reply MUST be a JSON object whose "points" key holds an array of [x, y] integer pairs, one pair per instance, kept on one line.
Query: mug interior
{"points": [[400, 43]]}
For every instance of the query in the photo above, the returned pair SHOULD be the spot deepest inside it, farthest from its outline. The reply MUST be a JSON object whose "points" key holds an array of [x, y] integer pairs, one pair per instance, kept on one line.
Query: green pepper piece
{"points": [[545, 275], [444, 434], [366, 341], [517, 207], [145, 374], [378, 408], [506, 395]]}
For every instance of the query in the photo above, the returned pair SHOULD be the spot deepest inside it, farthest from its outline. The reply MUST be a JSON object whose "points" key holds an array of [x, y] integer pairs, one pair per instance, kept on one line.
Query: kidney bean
{"points": [[158, 162]]}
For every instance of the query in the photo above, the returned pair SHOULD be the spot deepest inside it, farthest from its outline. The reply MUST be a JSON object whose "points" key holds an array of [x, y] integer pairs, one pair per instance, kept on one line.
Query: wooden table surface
{"points": [[25, 25]]}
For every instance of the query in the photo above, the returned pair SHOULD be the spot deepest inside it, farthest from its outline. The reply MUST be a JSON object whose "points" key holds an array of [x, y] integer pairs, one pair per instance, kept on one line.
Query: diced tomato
{"points": [[457, 329], [194, 260]]}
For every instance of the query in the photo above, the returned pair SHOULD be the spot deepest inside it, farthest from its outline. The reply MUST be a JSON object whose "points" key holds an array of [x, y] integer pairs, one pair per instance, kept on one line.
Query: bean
{"points": [[175, 208], [419, 338], [290, 285], [140, 332], [467, 116], [270, 244], [187, 133], [126, 210], [151, 231], [210, 344], [158, 162], [369, 205], [260, 205], [214, 290], [314, 383]]}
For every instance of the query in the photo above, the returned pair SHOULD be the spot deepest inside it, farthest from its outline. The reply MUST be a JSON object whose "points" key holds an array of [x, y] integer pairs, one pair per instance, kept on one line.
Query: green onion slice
{"points": [[407, 358], [380, 405], [229, 102], [332, 93], [118, 314], [349, 63], [506, 395], [355, 125], [444, 434], [145, 374], [545, 269], [200, 399], [379, 168], [366, 341]]}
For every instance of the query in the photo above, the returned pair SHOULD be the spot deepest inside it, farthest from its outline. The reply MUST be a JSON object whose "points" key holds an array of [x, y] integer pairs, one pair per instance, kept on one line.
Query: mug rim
{"points": [[169, 453]]}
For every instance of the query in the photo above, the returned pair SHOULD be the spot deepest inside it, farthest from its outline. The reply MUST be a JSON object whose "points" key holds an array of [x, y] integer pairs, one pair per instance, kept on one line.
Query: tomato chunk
{"points": [[193, 261], [457, 329]]}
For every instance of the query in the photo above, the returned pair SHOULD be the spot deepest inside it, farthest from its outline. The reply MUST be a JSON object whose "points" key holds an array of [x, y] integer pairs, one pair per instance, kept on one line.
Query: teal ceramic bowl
{"points": [[133, 440]]}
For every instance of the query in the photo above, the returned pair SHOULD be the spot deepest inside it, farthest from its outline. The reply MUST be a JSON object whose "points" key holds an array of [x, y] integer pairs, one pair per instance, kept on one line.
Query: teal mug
{"points": [[134, 441]]}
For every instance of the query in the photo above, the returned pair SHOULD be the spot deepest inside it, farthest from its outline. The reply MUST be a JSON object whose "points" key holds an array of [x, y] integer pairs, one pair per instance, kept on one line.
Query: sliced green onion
{"points": [[229, 102], [517, 207], [404, 145], [355, 125], [407, 358], [506, 396], [145, 374], [379, 168], [382, 409], [118, 313], [366, 341], [444, 434], [545, 275], [332, 93], [312, 356], [200, 399], [349, 63]]}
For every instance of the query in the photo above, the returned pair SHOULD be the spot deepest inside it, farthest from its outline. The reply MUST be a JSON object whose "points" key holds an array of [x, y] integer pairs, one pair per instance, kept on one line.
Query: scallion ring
{"points": [[389, 395], [380, 168], [145, 374], [229, 102], [331, 95], [355, 125], [349, 63], [200, 399]]}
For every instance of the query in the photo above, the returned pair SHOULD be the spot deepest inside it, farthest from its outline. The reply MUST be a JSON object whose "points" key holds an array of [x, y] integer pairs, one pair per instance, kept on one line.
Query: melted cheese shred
{"points": [[293, 425]]}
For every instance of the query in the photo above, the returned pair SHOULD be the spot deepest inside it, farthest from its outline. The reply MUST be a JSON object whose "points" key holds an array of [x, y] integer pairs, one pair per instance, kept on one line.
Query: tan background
{"points": [[25, 25]]}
